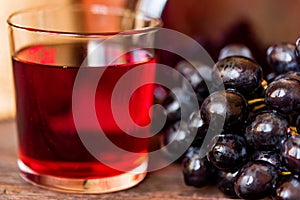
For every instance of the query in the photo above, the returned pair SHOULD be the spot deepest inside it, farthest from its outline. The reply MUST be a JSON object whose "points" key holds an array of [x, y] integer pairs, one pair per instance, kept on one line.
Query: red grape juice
{"points": [[48, 140]]}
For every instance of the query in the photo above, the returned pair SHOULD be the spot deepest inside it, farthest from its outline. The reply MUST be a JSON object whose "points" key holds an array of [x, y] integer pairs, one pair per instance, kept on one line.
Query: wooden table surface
{"points": [[164, 184]]}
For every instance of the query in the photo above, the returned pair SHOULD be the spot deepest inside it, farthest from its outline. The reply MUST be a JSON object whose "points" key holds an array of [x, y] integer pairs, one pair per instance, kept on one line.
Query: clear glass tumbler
{"points": [[73, 129]]}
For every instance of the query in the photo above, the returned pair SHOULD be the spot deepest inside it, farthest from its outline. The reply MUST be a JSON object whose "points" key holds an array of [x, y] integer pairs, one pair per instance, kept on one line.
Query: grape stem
{"points": [[258, 100], [286, 173], [258, 107], [264, 84], [292, 130]]}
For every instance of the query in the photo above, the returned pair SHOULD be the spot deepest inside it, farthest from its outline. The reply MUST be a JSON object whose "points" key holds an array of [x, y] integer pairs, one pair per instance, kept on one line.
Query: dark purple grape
{"points": [[290, 153], [189, 72], [271, 157], [283, 95], [270, 77], [183, 106], [298, 124], [229, 104], [201, 92], [226, 183], [282, 57], [290, 74], [266, 131], [240, 73], [228, 153], [235, 50], [193, 74], [256, 180], [176, 140], [197, 171], [268, 156], [197, 126], [298, 49], [288, 189]]}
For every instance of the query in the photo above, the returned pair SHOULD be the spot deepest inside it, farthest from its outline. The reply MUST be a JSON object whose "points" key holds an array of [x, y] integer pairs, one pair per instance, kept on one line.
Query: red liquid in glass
{"points": [[48, 140]]}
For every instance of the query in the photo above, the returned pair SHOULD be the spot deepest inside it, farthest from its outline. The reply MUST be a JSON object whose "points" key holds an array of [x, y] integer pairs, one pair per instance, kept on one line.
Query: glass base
{"points": [[88, 186]]}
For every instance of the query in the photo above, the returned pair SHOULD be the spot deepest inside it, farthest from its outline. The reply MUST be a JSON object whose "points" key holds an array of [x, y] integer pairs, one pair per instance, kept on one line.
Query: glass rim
{"points": [[11, 23]]}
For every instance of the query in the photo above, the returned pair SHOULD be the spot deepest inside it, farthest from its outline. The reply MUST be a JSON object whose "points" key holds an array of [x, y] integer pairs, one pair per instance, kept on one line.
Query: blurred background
{"points": [[212, 23]]}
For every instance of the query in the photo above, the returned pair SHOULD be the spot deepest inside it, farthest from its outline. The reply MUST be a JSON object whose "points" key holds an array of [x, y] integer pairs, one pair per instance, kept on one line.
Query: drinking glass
{"points": [[76, 132]]}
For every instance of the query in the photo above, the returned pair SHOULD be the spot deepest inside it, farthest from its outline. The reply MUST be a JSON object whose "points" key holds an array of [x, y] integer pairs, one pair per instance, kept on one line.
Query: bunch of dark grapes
{"points": [[256, 154]]}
